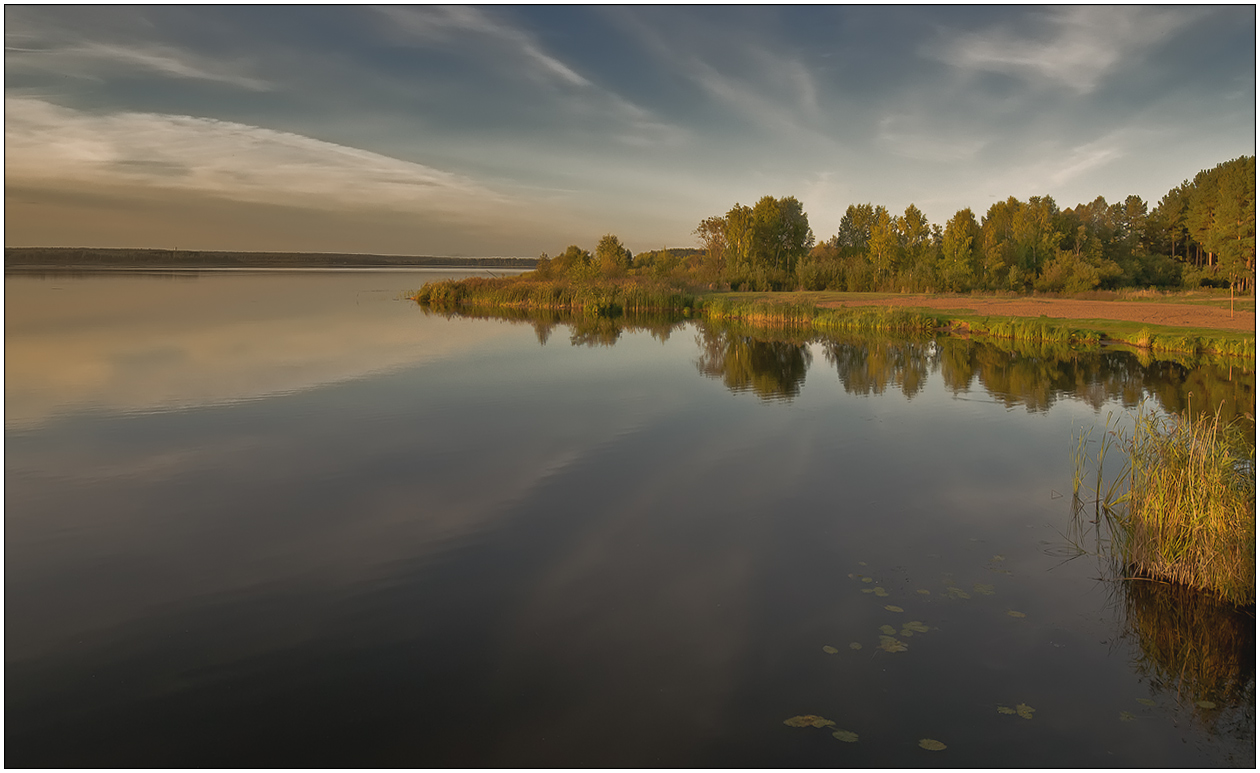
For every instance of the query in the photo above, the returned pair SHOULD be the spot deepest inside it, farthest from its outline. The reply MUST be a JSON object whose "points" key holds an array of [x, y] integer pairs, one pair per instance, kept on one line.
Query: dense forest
{"points": [[1202, 233]]}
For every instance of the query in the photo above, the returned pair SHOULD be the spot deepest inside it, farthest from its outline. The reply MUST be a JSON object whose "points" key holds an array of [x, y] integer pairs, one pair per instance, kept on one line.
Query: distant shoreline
{"points": [[109, 259]]}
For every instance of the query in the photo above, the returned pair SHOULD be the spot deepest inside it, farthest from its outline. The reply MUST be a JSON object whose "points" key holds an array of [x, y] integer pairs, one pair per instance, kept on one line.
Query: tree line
{"points": [[1202, 233]]}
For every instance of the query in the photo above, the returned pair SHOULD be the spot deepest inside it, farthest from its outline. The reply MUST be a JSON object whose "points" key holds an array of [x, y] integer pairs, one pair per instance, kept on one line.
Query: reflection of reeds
{"points": [[1191, 644], [1183, 508], [606, 297]]}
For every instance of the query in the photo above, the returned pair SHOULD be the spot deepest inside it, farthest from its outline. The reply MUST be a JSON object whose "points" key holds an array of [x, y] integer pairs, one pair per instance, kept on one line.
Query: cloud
{"points": [[1083, 46], [39, 46], [51, 145], [442, 23], [913, 136]]}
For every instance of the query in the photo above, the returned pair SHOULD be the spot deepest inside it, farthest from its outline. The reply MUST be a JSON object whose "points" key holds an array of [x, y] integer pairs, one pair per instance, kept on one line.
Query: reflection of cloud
{"points": [[1084, 45], [48, 144], [146, 346]]}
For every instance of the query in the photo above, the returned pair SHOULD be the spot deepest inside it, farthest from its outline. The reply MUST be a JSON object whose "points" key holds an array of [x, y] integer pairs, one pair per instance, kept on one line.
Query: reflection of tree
{"points": [[586, 329], [869, 366], [1196, 648], [772, 369]]}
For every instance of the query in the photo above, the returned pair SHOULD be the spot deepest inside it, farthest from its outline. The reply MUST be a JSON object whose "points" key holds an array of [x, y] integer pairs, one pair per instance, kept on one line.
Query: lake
{"points": [[289, 519]]}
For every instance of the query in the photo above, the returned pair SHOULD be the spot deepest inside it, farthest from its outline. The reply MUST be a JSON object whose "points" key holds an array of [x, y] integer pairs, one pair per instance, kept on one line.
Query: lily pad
{"points": [[868, 579], [848, 736], [808, 720], [894, 608], [981, 588], [957, 593], [1005, 710], [1024, 710], [999, 558], [924, 592], [889, 644], [1146, 701], [830, 650], [855, 645], [916, 625], [931, 744], [861, 563], [880, 592], [1205, 704], [1126, 717], [888, 629], [1013, 613]]}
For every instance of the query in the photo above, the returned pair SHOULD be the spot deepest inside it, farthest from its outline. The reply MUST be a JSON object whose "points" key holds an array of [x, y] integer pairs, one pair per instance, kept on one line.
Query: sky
{"points": [[518, 130]]}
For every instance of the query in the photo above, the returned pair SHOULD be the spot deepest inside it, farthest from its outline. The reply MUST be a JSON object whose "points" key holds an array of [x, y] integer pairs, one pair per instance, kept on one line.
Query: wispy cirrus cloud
{"points": [[47, 144], [443, 24], [1078, 49], [36, 45]]}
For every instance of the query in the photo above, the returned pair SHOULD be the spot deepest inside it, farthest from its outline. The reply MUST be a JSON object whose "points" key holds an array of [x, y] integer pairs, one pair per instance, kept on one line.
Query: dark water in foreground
{"points": [[287, 519]]}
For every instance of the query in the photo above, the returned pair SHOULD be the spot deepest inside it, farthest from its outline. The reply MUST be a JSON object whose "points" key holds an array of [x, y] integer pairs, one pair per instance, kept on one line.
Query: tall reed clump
{"points": [[1183, 509]]}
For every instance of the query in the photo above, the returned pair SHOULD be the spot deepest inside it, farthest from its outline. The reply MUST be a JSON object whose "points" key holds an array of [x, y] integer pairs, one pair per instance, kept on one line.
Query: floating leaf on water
{"points": [[861, 563], [1005, 710], [999, 558], [981, 588], [916, 625], [889, 644], [957, 593], [848, 736], [855, 645], [868, 590], [881, 592], [923, 592], [906, 633], [1013, 613], [852, 575], [931, 744], [1205, 704], [894, 608], [808, 720], [1126, 717], [830, 650], [888, 629], [1146, 701], [1024, 710], [868, 579]]}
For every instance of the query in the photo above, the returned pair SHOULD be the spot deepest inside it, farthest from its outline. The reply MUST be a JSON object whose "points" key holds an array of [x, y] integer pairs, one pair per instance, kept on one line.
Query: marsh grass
{"points": [[804, 315], [600, 298], [1038, 329], [1182, 507]]}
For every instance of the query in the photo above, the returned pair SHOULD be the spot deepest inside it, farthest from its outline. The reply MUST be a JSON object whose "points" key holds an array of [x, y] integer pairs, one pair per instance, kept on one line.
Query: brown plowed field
{"points": [[1175, 314]]}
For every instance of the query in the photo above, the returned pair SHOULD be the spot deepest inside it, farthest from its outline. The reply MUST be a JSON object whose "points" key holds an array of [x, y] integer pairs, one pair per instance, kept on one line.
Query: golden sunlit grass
{"points": [[1182, 509]]}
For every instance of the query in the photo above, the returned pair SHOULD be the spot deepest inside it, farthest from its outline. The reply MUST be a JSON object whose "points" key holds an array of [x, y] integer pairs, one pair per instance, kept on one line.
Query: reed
{"points": [[599, 298], [1038, 329], [1183, 508], [799, 315]]}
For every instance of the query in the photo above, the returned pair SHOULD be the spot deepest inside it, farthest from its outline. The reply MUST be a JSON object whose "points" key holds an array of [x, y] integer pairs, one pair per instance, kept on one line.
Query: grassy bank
{"points": [[818, 311], [1183, 507]]}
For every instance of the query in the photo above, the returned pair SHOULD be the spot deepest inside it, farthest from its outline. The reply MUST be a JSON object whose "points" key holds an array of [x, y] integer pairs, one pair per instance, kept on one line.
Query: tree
{"points": [[959, 251], [611, 256], [885, 245]]}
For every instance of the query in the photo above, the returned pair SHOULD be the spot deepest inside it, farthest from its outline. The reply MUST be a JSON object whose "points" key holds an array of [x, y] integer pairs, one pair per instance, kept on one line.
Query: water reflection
{"points": [[773, 363], [1194, 649], [771, 369]]}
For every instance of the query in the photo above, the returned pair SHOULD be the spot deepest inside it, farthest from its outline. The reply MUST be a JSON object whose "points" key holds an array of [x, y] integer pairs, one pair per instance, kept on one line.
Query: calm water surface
{"points": [[285, 518]]}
